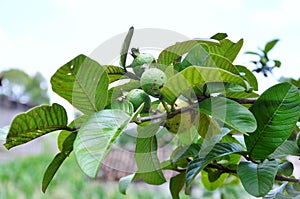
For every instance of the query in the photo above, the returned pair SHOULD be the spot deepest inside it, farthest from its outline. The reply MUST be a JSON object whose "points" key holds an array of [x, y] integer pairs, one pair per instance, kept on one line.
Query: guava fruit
{"points": [[141, 61], [182, 121], [152, 80], [137, 97]]}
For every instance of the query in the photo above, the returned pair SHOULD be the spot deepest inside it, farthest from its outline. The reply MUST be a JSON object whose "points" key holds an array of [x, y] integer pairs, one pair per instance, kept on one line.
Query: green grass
{"points": [[22, 179]]}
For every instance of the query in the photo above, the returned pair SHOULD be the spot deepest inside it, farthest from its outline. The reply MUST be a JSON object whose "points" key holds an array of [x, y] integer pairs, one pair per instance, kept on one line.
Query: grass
{"points": [[22, 178]]}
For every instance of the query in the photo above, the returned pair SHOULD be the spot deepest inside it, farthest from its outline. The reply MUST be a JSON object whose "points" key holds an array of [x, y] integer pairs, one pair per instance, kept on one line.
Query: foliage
{"points": [[264, 64], [232, 131], [21, 87]]}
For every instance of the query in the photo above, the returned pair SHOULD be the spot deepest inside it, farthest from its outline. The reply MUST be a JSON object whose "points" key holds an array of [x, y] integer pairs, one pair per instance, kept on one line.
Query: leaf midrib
{"points": [[267, 124]]}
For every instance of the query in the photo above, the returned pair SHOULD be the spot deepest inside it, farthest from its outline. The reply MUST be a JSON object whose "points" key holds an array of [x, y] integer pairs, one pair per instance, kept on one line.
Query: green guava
{"points": [[152, 80], [137, 97]]}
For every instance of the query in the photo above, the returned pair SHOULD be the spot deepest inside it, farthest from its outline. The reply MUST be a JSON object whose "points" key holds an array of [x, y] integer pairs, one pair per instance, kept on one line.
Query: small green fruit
{"points": [[137, 97], [181, 122], [152, 80], [140, 63]]}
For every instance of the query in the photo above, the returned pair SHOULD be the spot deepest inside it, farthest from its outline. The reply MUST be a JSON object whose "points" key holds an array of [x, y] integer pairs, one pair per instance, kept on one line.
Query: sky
{"points": [[42, 35]]}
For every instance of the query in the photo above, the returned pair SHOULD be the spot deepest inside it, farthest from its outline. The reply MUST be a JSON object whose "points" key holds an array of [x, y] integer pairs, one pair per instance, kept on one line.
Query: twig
{"points": [[190, 107]]}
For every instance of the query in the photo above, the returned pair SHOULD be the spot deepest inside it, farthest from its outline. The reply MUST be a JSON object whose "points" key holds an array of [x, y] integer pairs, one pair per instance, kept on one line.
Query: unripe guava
{"points": [[137, 97], [152, 80], [181, 122]]}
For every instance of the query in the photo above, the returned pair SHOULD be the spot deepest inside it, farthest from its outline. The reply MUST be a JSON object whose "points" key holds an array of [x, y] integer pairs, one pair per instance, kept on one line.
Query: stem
{"points": [[188, 108], [229, 170], [244, 100]]}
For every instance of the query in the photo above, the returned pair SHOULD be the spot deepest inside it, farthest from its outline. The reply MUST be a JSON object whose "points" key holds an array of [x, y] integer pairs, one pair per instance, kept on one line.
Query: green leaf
{"points": [[208, 127], [196, 56], [176, 184], [4, 132], [227, 49], [270, 45], [277, 63], [123, 105], [221, 62], [219, 36], [218, 151], [171, 53], [248, 76], [183, 152], [125, 47], [35, 123], [277, 110], [83, 82], [230, 112], [287, 148], [118, 91], [125, 182], [114, 73], [273, 193], [211, 186], [76, 123], [96, 137], [58, 160], [286, 168], [194, 75], [257, 179], [146, 155]]}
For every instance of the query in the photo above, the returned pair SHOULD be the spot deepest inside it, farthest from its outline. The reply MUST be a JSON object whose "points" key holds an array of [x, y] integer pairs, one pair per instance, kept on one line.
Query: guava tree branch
{"points": [[190, 107], [224, 169]]}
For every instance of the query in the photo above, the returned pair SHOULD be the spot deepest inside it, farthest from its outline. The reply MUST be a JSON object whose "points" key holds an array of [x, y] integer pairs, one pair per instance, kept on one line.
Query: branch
{"points": [[229, 170], [190, 107], [244, 100], [283, 178]]}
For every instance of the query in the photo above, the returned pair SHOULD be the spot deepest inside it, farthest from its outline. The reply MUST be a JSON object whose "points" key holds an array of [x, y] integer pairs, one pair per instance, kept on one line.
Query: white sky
{"points": [[42, 35]]}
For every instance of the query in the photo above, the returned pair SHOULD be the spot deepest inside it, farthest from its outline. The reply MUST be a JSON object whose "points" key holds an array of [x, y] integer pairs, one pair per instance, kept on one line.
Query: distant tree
{"points": [[19, 86]]}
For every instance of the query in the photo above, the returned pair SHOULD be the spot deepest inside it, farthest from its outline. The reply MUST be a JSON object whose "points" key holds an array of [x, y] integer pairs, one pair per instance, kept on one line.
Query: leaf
{"points": [[123, 105], [83, 82], [277, 110], [146, 155], [176, 184], [257, 179], [58, 160], [125, 47], [114, 72], [115, 92], [219, 36], [286, 168], [287, 148], [211, 186], [4, 132], [194, 75], [221, 62], [227, 49], [96, 137], [270, 45], [35, 123], [273, 193], [230, 112], [196, 56], [125, 182], [218, 151], [171, 53], [76, 123], [208, 127], [183, 152], [248, 76], [277, 63]]}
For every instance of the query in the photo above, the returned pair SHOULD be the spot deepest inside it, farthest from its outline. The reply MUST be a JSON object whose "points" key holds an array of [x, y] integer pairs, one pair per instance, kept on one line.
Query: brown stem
{"points": [[188, 108], [229, 170], [244, 100]]}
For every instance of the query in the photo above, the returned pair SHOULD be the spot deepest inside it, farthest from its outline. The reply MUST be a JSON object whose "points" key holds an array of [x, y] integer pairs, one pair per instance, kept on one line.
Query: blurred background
{"points": [[39, 36]]}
